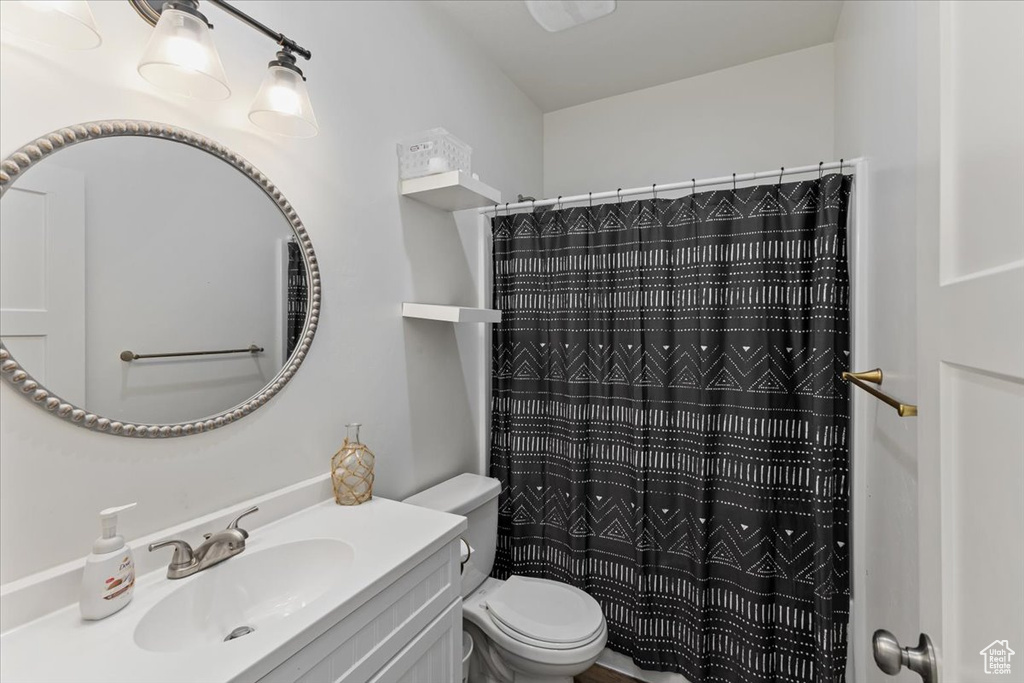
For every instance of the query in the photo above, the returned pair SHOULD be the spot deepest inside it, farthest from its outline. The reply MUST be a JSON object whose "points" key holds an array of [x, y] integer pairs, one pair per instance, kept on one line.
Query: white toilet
{"points": [[526, 630]]}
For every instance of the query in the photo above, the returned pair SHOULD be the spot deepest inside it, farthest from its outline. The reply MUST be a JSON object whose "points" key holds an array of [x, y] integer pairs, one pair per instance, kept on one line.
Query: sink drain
{"points": [[239, 632]]}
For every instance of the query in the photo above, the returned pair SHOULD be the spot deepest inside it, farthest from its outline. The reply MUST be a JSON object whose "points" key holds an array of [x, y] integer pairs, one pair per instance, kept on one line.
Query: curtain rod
{"points": [[668, 187]]}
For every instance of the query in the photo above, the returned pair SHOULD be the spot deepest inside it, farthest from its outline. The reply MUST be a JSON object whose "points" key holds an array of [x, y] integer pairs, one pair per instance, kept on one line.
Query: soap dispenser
{"points": [[109, 576]]}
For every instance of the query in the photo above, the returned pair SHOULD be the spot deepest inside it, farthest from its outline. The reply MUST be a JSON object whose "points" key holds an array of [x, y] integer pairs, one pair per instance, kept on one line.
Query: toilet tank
{"points": [[475, 498]]}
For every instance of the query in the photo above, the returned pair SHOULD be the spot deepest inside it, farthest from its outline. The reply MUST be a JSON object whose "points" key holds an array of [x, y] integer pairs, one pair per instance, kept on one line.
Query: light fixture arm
{"points": [[284, 41]]}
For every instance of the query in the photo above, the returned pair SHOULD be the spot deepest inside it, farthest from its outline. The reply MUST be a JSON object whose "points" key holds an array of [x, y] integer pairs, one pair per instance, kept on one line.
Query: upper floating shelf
{"points": [[451, 314], [451, 191]]}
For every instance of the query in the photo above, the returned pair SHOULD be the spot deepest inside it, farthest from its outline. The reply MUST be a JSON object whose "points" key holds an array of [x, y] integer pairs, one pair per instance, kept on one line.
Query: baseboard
{"points": [[624, 665]]}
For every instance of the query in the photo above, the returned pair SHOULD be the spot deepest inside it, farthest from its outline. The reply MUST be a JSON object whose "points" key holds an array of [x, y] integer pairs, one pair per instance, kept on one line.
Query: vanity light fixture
{"points": [[181, 57], [62, 23]]}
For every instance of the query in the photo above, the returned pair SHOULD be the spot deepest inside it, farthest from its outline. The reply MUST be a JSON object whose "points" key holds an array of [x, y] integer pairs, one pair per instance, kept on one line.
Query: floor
{"points": [[599, 674]]}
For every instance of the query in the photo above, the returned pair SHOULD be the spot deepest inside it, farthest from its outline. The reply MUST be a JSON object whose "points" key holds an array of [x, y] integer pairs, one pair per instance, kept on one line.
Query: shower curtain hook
{"points": [[496, 214], [590, 198], [840, 166], [559, 202], [734, 183], [618, 193], [533, 206], [782, 170], [821, 170], [507, 212], [654, 190]]}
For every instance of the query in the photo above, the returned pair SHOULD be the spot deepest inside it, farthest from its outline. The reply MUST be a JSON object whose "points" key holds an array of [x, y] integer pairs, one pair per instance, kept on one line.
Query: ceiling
{"points": [[642, 43]]}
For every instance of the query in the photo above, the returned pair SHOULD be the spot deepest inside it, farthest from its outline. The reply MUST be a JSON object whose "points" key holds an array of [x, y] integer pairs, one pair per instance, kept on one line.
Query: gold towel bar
{"points": [[861, 380]]}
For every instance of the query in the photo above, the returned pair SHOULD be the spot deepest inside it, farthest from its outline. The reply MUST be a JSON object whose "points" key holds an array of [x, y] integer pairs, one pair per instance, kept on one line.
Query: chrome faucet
{"points": [[217, 547]]}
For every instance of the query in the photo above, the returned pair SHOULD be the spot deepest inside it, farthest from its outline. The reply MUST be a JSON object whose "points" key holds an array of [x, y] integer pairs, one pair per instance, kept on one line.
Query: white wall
{"points": [[381, 70], [765, 114], [876, 117]]}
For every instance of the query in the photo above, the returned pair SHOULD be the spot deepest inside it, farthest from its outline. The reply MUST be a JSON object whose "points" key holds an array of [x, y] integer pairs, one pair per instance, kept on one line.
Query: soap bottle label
{"points": [[123, 580]]}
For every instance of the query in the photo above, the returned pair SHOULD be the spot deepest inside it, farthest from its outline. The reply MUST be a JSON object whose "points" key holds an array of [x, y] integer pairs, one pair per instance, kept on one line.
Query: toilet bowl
{"points": [[525, 630], [533, 631]]}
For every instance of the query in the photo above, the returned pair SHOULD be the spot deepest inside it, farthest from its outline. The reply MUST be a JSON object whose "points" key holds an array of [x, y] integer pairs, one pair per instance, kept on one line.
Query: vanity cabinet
{"points": [[409, 631]]}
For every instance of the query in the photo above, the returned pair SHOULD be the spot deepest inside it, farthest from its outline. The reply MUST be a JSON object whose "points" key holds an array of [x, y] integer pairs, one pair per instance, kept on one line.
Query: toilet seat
{"points": [[543, 645], [538, 659], [545, 614]]}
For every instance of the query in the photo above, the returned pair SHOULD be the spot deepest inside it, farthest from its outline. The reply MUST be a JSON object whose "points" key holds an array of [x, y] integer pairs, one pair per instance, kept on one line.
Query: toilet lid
{"points": [[545, 611]]}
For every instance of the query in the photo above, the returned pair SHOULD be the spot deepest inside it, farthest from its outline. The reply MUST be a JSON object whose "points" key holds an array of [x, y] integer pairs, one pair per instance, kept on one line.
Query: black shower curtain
{"points": [[298, 298], [670, 427]]}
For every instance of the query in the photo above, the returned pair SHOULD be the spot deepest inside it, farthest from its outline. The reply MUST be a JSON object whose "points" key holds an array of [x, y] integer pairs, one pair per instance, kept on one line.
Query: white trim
{"points": [[484, 339], [858, 661]]}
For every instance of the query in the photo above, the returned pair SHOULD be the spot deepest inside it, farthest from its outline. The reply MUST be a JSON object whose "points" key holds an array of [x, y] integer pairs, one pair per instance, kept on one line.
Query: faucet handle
{"points": [[236, 520], [183, 555]]}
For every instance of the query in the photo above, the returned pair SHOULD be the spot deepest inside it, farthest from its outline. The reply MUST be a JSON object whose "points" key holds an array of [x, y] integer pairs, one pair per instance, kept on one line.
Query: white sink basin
{"points": [[254, 590]]}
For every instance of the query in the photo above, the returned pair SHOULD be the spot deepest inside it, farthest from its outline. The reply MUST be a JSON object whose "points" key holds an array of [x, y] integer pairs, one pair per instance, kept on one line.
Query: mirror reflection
{"points": [[147, 281]]}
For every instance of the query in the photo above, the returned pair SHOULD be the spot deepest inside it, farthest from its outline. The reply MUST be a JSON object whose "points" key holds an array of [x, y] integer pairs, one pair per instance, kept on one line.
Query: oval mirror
{"points": [[152, 282]]}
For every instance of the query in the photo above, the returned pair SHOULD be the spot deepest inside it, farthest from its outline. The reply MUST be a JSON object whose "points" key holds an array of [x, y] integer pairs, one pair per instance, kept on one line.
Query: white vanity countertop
{"points": [[388, 539]]}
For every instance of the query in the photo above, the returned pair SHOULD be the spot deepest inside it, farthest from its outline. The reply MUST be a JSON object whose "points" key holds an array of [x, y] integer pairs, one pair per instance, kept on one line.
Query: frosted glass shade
{"points": [[180, 57], [63, 23], [282, 105]]}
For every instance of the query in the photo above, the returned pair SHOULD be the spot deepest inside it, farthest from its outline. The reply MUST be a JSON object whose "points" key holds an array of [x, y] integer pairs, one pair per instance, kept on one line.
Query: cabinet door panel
{"points": [[434, 655]]}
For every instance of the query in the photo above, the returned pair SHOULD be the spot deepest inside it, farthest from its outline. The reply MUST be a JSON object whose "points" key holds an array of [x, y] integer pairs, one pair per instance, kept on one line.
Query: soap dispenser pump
{"points": [[109, 576]]}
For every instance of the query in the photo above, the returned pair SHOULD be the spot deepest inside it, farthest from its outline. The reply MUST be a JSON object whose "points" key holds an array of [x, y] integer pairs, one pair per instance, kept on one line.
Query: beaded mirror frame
{"points": [[22, 382]]}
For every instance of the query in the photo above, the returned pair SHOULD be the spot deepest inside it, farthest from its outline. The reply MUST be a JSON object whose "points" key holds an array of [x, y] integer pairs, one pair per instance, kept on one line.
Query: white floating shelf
{"points": [[451, 191], [451, 314]]}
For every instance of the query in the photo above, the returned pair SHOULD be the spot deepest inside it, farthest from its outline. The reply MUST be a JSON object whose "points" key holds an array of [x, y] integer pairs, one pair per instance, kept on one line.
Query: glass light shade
{"points": [[282, 105], [63, 23], [180, 57]]}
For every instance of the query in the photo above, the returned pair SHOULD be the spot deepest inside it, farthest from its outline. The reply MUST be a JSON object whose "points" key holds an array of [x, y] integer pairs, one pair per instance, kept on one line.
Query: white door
{"points": [[971, 338], [42, 277]]}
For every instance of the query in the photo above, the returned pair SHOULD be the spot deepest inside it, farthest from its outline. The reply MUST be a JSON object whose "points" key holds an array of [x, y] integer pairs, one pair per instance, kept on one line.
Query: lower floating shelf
{"points": [[451, 314]]}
